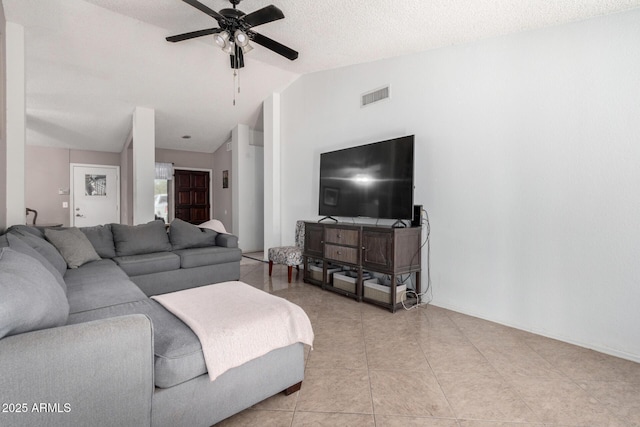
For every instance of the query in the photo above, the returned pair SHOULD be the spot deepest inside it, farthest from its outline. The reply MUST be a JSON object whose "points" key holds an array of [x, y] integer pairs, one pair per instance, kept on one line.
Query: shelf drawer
{"points": [[341, 236], [341, 254]]}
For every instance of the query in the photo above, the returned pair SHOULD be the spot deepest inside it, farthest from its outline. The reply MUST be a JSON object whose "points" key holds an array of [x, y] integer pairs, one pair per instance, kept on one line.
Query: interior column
{"points": [[272, 232], [144, 158], [16, 125]]}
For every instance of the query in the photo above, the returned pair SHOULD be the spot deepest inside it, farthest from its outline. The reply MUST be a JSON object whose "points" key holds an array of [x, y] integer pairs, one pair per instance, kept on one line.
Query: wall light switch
{"points": [[65, 205], [63, 191]]}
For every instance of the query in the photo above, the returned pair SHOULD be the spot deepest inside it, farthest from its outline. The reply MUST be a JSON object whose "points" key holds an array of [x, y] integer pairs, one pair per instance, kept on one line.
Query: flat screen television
{"points": [[373, 180]]}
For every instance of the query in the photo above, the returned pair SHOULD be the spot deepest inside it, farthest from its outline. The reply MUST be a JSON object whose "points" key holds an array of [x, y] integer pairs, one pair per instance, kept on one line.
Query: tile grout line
{"points": [[455, 414], [508, 381]]}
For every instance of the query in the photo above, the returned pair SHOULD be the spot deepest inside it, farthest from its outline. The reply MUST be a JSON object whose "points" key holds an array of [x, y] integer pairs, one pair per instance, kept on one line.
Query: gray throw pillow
{"points": [[184, 235], [140, 239], [101, 238], [31, 298], [73, 244], [19, 246], [44, 248]]}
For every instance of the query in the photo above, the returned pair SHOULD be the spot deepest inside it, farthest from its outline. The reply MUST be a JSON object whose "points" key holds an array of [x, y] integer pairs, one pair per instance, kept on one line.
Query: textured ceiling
{"points": [[91, 62]]}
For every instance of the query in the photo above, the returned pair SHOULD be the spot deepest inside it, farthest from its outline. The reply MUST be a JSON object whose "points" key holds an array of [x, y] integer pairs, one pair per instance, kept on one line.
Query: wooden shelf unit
{"points": [[379, 249]]}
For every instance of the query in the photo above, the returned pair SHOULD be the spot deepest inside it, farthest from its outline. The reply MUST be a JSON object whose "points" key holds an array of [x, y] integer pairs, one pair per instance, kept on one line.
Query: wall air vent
{"points": [[374, 96]]}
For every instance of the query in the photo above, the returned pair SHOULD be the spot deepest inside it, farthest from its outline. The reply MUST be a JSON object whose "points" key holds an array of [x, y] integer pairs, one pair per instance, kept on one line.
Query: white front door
{"points": [[95, 195]]}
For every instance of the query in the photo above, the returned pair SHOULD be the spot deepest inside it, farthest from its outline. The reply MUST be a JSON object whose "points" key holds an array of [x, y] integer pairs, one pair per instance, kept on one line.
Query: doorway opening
{"points": [[161, 200]]}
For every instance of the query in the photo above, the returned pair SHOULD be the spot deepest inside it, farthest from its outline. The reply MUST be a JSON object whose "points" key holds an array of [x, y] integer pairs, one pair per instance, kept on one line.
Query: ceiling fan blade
{"points": [[273, 45], [212, 13], [193, 34], [263, 16]]}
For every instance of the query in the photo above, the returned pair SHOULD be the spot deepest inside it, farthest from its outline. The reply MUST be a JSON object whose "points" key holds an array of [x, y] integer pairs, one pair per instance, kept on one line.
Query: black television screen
{"points": [[373, 180]]}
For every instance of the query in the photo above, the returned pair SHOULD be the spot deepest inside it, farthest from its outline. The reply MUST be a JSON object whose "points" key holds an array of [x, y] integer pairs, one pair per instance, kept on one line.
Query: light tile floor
{"points": [[438, 368]]}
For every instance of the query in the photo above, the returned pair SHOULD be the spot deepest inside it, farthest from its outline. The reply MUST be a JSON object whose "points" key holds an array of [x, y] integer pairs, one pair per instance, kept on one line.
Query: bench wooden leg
{"points": [[289, 271], [270, 267], [293, 389]]}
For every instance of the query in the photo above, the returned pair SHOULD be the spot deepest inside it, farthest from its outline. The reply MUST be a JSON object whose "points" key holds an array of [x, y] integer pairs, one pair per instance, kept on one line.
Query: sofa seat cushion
{"points": [[99, 284], [157, 262], [197, 257], [178, 354]]}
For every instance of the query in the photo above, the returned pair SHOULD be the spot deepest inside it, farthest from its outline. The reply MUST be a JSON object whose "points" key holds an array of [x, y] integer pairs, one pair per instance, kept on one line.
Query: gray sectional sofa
{"points": [[87, 346]]}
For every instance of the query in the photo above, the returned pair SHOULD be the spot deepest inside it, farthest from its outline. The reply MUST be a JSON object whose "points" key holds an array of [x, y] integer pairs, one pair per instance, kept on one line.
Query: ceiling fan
{"points": [[235, 31]]}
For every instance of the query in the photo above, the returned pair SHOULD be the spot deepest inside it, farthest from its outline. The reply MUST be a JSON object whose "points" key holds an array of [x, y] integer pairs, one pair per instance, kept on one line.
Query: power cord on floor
{"points": [[422, 298]]}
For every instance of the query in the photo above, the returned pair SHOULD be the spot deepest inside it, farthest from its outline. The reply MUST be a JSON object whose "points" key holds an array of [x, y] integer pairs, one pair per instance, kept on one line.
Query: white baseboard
{"points": [[601, 349]]}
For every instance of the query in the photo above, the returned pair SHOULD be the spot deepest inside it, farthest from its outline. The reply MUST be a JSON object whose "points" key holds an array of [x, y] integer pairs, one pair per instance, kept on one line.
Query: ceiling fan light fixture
{"points": [[246, 48], [241, 38], [222, 39], [230, 49], [235, 27]]}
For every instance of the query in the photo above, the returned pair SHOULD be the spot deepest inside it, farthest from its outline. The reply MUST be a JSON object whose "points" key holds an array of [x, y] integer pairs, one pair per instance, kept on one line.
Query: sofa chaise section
{"points": [[177, 351], [235, 390]]}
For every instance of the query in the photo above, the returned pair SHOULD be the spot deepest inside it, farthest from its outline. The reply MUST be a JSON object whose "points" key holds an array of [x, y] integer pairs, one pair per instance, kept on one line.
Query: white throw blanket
{"points": [[236, 322]]}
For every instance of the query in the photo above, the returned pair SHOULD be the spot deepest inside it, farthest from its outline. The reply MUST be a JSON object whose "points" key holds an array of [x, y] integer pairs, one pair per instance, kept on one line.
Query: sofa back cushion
{"points": [[73, 244], [43, 247], [101, 238], [28, 229], [140, 239], [184, 235], [19, 246], [31, 298]]}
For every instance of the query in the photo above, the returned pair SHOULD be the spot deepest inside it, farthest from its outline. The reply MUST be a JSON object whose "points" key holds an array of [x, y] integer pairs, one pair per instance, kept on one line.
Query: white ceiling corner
{"points": [[91, 62]]}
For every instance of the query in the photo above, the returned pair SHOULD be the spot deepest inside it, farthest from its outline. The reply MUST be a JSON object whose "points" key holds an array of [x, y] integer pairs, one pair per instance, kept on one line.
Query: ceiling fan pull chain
{"points": [[235, 74]]}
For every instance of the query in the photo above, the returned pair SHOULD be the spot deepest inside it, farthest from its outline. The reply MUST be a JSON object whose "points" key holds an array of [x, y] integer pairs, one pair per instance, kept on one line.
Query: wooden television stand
{"points": [[361, 247]]}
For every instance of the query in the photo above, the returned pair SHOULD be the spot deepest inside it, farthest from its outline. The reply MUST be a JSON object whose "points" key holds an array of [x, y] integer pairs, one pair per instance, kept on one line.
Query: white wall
{"points": [[48, 172], [222, 200], [528, 155]]}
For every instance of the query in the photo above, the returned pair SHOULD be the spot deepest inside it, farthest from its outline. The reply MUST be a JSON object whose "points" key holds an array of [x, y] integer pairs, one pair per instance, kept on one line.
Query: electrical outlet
{"points": [[65, 205]]}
